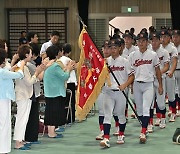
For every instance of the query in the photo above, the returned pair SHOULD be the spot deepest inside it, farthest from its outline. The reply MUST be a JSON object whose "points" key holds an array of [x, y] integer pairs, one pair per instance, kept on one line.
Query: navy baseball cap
{"points": [[176, 32], [165, 32], [142, 35], [105, 43], [127, 34], [115, 42], [122, 41], [154, 34]]}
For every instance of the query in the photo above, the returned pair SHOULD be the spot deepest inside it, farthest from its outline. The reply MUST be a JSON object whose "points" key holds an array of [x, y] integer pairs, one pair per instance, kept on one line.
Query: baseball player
{"points": [[170, 78], [164, 58], [145, 63], [100, 100], [129, 47], [176, 41], [114, 98]]}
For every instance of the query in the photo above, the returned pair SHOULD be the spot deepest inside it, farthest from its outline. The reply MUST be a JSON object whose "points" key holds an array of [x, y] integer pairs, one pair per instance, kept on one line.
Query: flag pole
{"points": [[80, 19]]}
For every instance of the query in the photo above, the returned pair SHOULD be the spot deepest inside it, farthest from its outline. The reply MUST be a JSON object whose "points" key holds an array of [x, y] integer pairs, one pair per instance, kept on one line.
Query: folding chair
{"points": [[68, 107]]}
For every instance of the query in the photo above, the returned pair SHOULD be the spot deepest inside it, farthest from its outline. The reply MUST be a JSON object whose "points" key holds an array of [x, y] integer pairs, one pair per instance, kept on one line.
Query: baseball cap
{"points": [[122, 41], [165, 32], [127, 34], [142, 35], [163, 27], [176, 32], [115, 42], [154, 34], [105, 43]]}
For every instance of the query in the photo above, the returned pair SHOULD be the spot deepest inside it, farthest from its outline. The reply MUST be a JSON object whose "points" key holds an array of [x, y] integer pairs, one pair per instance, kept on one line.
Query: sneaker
{"points": [[169, 113], [133, 116], [100, 136], [178, 113], [162, 123], [142, 138], [172, 118], [105, 143], [116, 133], [150, 128], [120, 139], [157, 122]]}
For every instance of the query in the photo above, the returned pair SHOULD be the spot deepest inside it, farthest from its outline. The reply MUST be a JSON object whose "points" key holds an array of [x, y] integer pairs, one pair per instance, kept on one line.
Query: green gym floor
{"points": [[80, 139]]}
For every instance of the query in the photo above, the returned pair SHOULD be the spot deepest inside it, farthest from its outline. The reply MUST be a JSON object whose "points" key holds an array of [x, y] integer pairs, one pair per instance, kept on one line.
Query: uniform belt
{"points": [[115, 89], [141, 82], [178, 69]]}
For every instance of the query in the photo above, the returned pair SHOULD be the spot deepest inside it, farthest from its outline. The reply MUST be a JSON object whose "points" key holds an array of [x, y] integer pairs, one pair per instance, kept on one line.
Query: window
{"points": [[42, 21]]}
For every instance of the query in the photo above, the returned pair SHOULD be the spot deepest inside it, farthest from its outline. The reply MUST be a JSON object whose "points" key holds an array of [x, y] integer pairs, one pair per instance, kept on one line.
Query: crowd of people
{"points": [[147, 67], [28, 67]]}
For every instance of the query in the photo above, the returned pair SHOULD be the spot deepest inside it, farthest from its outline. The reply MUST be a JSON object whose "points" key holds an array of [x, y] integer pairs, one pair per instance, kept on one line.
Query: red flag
{"points": [[92, 73]]}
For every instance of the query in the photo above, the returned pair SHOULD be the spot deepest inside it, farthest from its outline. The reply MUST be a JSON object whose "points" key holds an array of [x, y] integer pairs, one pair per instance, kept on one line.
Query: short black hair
{"points": [[55, 33], [116, 30], [30, 35], [60, 46], [3, 55], [23, 31], [35, 49], [52, 52], [66, 48]]}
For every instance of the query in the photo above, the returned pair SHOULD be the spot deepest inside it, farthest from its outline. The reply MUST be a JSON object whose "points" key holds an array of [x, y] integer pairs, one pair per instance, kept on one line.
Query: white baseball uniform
{"points": [[170, 82], [164, 58], [114, 98], [127, 51], [144, 66], [177, 72]]}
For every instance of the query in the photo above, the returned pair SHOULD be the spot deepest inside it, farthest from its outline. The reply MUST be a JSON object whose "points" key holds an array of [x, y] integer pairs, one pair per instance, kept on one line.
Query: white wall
{"points": [[138, 23]]}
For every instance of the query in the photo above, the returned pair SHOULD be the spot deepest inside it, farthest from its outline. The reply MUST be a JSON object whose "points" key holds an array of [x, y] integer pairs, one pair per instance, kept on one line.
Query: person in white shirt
{"points": [[114, 100], [145, 63], [170, 78], [164, 58], [54, 38], [72, 81], [176, 41], [129, 47]]}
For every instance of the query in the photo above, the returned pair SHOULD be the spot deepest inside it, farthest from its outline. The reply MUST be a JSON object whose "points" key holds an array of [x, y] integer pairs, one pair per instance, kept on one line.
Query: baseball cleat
{"points": [[116, 133], [172, 118], [169, 113], [157, 122], [100, 136], [150, 128], [142, 138], [120, 139], [178, 113], [105, 143], [133, 116], [162, 123]]}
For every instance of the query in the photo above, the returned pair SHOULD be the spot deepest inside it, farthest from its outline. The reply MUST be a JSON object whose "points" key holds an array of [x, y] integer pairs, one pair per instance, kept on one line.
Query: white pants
{"points": [[170, 88], [160, 98], [5, 126], [23, 110], [143, 95], [115, 103], [177, 76], [100, 101]]}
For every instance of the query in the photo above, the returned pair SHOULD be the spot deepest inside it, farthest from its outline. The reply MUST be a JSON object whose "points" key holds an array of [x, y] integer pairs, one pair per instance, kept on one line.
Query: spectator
{"points": [[22, 39]]}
